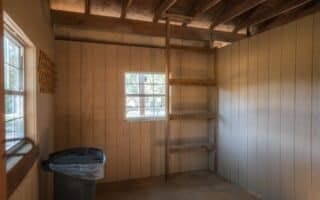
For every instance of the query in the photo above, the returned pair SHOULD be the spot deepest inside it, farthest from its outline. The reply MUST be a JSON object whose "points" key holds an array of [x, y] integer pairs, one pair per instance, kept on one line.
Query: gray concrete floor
{"points": [[200, 185]]}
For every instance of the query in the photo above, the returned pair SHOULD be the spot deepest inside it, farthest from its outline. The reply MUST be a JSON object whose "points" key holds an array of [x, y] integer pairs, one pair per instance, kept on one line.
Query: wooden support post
{"points": [[167, 136], [87, 7], [125, 5]]}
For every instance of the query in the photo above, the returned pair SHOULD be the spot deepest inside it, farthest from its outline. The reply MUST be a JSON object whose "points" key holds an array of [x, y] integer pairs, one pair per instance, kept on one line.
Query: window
{"points": [[145, 95], [14, 89]]}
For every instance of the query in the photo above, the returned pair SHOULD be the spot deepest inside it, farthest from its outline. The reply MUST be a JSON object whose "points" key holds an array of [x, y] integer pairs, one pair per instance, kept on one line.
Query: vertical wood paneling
{"points": [[274, 135], [252, 115], [99, 69], [281, 109], [303, 108], [60, 103], [288, 110], [235, 111], [243, 113], [91, 107], [28, 188], [74, 98], [316, 110], [263, 112], [158, 127], [111, 122], [145, 150], [135, 128], [124, 142], [221, 78], [87, 57], [228, 115]]}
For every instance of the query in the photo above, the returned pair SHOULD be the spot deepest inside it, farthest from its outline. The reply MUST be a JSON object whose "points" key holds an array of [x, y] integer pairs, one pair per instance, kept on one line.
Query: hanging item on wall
{"points": [[46, 74]]}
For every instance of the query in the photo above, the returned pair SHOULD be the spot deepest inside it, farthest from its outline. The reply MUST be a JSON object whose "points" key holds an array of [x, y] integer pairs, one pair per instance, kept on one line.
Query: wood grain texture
{"points": [[28, 188], [195, 82], [90, 107], [279, 113], [315, 109]]}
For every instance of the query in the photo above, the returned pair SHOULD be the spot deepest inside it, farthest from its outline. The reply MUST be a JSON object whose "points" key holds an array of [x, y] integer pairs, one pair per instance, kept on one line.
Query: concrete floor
{"points": [[201, 185]]}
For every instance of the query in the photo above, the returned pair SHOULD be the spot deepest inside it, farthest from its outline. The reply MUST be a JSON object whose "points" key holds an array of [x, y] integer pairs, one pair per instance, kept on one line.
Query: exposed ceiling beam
{"points": [[203, 7], [125, 5], [233, 10], [287, 18], [177, 17], [87, 7], [162, 9], [93, 22], [259, 17]]}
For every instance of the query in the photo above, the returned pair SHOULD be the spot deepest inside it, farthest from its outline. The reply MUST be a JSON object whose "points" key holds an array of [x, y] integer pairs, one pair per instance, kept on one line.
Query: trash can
{"points": [[75, 172]]}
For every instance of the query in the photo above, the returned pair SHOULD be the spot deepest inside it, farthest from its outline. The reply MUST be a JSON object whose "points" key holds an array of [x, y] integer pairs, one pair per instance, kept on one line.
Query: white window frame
{"points": [[21, 91], [141, 117]]}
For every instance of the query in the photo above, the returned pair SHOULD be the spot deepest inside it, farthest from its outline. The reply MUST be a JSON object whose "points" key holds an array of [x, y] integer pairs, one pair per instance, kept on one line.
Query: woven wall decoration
{"points": [[46, 74]]}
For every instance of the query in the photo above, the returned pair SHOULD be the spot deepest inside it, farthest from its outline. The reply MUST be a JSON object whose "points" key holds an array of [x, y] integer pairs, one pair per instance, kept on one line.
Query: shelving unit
{"points": [[203, 115]]}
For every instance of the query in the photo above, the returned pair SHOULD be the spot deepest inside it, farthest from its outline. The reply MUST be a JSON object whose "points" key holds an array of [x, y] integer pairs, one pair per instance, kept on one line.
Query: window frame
{"points": [[16, 39], [141, 117]]}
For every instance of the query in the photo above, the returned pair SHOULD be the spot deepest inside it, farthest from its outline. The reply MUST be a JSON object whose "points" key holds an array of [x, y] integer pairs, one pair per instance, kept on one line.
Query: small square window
{"points": [[145, 95]]}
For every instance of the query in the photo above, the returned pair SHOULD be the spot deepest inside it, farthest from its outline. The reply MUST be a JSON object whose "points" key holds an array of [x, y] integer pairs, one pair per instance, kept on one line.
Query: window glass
{"points": [[145, 95], [14, 90]]}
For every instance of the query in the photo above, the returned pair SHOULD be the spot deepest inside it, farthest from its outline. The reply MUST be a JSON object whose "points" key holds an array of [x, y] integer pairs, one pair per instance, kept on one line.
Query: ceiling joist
{"points": [[202, 7], [231, 11], [288, 17], [125, 5], [252, 15], [93, 22], [259, 17], [162, 9]]}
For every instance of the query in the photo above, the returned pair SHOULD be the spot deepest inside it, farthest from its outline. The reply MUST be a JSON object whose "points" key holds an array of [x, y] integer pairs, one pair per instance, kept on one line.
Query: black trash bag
{"points": [[82, 163]]}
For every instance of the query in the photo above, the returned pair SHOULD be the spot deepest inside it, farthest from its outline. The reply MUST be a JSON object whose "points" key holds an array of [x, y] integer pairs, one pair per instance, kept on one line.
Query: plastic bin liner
{"points": [[83, 163]]}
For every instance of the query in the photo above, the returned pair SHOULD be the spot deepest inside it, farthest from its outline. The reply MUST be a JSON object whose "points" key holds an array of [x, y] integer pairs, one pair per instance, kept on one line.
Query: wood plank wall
{"points": [[29, 187], [90, 107], [268, 129]]}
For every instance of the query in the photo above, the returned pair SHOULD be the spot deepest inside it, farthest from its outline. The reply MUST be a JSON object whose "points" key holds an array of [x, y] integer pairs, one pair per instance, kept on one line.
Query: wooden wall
{"points": [[268, 137], [29, 187], [90, 107]]}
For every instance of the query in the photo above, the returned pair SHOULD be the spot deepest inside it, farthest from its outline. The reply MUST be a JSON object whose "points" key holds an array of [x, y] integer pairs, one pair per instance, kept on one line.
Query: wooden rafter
{"points": [[162, 9], [125, 5], [260, 17], [202, 7], [288, 17], [87, 7], [77, 20], [235, 10], [177, 17]]}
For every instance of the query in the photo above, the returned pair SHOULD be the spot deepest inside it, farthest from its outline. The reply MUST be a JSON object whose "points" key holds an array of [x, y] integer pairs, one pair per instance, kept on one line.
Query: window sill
{"points": [[145, 119], [19, 164]]}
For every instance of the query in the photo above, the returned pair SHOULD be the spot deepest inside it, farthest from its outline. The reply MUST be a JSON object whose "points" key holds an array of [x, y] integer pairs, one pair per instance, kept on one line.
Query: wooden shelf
{"points": [[191, 147], [191, 82], [192, 116]]}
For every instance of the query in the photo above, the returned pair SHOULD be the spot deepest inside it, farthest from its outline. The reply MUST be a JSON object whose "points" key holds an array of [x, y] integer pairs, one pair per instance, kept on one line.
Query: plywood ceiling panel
{"points": [[110, 8], [68, 5]]}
